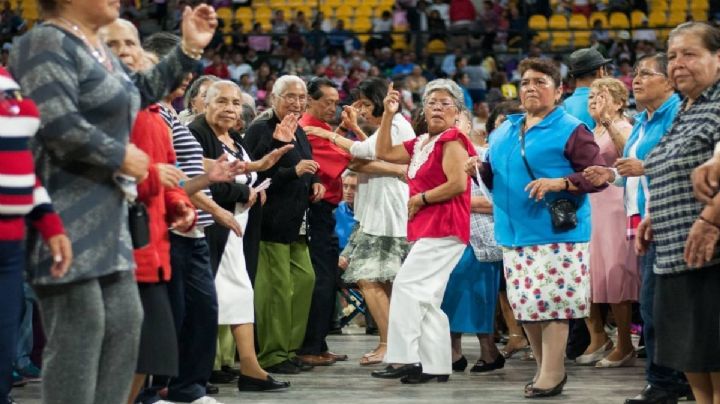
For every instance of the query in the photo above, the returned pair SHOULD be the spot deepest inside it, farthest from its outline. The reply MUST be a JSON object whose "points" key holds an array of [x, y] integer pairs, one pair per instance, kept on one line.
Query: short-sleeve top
{"points": [[450, 218]]}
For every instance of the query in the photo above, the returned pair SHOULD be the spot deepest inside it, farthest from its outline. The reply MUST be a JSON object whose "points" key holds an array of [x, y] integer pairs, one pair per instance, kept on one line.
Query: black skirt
{"points": [[687, 320], [158, 354]]}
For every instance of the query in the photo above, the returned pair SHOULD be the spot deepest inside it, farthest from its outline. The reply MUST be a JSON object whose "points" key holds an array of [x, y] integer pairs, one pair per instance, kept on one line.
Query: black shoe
{"points": [[391, 372], [460, 364], [231, 370], [247, 383], [423, 378], [653, 395], [534, 392], [221, 377], [482, 366], [300, 364], [641, 352], [211, 389], [283, 368], [371, 331]]}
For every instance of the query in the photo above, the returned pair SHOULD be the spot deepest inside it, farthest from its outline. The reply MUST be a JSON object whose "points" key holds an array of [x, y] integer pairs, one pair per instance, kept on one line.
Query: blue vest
{"points": [[655, 128], [344, 223], [519, 220], [577, 106]]}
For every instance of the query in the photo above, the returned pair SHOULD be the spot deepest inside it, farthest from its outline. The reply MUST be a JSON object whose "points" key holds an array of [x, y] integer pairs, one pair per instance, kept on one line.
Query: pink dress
{"points": [[614, 271]]}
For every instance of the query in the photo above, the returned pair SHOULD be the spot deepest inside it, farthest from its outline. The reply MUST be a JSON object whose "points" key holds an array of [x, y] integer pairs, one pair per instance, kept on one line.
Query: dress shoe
{"points": [[303, 366], [247, 383], [391, 372], [421, 378], [593, 357], [211, 389], [222, 377], [481, 366], [460, 364], [627, 361], [534, 392], [653, 395], [333, 355], [284, 368], [317, 360], [231, 370]]}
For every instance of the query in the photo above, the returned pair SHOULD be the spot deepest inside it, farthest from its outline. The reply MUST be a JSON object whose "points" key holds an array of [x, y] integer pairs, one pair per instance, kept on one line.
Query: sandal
{"points": [[372, 357], [509, 353]]}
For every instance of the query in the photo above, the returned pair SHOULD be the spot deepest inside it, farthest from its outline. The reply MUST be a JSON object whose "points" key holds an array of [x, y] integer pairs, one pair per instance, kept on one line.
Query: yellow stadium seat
{"points": [[657, 19], [560, 39], [363, 38], [581, 39], [699, 5], [699, 15], [538, 22], [362, 25], [264, 13], [676, 18], [327, 10], [364, 12], [578, 21], [658, 5], [399, 41], [558, 22], [636, 18], [276, 4], [678, 5], [377, 11], [332, 3], [662, 34], [619, 20], [598, 15], [243, 13], [307, 10], [436, 46], [224, 12], [344, 12]]}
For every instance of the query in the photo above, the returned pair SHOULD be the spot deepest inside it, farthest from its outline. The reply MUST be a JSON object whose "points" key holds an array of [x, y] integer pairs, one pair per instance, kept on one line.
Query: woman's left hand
{"points": [[184, 217], [542, 186], [62, 255], [318, 192], [198, 26], [700, 244], [414, 205]]}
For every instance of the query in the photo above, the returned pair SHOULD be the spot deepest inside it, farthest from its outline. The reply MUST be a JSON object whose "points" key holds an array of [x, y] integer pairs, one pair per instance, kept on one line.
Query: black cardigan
{"points": [[288, 197]]}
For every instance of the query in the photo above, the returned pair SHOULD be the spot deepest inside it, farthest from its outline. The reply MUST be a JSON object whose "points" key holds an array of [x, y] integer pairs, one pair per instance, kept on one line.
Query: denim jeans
{"points": [[657, 376], [12, 263], [25, 336]]}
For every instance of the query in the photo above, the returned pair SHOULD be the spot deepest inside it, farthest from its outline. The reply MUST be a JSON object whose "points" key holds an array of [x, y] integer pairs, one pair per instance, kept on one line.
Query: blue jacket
{"points": [[519, 220], [655, 128], [344, 223], [577, 106]]}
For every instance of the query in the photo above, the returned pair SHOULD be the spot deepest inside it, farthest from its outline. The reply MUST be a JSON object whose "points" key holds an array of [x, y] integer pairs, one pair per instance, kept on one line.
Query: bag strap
{"points": [[522, 151]]}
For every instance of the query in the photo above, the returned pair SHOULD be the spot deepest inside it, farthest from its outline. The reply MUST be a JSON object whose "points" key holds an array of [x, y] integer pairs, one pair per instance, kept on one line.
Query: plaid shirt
{"points": [[482, 226], [673, 208]]}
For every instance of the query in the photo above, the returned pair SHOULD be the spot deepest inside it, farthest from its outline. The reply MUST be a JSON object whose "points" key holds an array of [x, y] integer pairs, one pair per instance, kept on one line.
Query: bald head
{"points": [[123, 39]]}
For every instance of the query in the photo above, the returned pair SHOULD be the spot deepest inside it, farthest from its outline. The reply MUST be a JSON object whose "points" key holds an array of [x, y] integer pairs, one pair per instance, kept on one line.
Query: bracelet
{"points": [[567, 183], [332, 139], [424, 199], [702, 219], [191, 53]]}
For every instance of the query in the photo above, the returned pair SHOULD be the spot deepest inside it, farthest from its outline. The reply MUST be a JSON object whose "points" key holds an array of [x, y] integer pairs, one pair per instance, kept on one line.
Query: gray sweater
{"points": [[86, 116]]}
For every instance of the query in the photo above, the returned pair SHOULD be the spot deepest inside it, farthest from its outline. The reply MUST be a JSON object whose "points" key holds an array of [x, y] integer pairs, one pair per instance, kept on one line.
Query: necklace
{"points": [[98, 53]]}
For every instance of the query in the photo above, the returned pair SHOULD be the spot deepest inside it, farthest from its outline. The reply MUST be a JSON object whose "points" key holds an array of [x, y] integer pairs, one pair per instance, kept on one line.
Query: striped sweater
{"points": [[21, 194]]}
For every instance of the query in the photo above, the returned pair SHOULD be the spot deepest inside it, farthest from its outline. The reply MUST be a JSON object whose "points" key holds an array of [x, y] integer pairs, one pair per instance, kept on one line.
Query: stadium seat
{"points": [[364, 12], [676, 18], [244, 13], [678, 5], [581, 39], [362, 25], [619, 21], [399, 42], [578, 21], [658, 5], [264, 13], [560, 39], [436, 46], [557, 22], [699, 5], [598, 15], [636, 18], [538, 22], [699, 15], [344, 12], [657, 19]]}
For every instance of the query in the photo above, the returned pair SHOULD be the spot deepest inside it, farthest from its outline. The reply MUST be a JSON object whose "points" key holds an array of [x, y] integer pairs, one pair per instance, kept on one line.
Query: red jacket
{"points": [[151, 135], [462, 10]]}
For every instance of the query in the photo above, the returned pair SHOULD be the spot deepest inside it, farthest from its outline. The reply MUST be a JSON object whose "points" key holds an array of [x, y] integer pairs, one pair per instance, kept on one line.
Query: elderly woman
{"points": [[379, 245], [654, 91], [685, 231], [285, 277], [194, 98], [614, 275], [535, 164], [92, 315], [214, 131], [439, 226]]}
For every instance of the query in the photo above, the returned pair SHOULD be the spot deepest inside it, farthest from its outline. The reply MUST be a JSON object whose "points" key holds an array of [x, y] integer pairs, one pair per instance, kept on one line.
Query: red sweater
{"points": [[22, 197], [462, 10], [151, 135]]}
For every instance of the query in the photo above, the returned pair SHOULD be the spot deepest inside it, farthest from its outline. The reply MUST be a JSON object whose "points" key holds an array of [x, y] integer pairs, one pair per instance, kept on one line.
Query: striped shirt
{"points": [[189, 155], [673, 208]]}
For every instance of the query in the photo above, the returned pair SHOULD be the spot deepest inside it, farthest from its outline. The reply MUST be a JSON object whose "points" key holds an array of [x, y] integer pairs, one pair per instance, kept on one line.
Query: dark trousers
{"points": [[658, 376], [12, 262], [194, 305], [324, 251]]}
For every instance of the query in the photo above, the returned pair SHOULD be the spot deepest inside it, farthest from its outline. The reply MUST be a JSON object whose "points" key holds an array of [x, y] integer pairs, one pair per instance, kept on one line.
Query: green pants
{"points": [[283, 292], [225, 354]]}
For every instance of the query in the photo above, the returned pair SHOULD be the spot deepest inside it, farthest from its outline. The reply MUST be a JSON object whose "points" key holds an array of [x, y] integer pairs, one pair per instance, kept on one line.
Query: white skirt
{"points": [[234, 290]]}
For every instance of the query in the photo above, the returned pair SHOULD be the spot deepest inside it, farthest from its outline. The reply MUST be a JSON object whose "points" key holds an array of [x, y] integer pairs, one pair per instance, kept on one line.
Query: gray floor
{"points": [[347, 382]]}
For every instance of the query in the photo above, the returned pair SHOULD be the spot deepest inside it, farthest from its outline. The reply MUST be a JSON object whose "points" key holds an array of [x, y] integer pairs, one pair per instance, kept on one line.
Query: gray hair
{"points": [[194, 89], [348, 173], [449, 87], [214, 89], [121, 22], [283, 82]]}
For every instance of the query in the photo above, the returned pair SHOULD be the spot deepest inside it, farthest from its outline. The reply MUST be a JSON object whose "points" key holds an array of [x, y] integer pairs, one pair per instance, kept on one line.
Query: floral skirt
{"points": [[548, 281], [375, 258]]}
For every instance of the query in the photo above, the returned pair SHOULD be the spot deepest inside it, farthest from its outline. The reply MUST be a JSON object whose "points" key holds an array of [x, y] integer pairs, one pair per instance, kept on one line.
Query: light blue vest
{"points": [[519, 220], [577, 106]]}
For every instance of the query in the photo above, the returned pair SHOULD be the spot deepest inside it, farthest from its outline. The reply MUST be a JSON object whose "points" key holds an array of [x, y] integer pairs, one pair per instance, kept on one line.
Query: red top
{"points": [[332, 159], [462, 10], [444, 219], [151, 135], [220, 71]]}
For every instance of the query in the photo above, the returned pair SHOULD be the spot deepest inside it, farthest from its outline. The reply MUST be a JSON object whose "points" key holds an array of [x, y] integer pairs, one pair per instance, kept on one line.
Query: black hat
{"points": [[586, 60]]}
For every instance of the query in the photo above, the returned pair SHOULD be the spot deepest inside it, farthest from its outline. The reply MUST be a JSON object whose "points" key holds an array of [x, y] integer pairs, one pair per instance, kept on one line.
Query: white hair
{"points": [[449, 87], [214, 89], [122, 22], [283, 82]]}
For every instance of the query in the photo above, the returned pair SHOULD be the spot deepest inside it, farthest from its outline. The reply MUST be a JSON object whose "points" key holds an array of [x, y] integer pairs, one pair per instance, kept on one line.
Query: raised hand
{"points": [[223, 171], [285, 130], [349, 117], [198, 26], [392, 101]]}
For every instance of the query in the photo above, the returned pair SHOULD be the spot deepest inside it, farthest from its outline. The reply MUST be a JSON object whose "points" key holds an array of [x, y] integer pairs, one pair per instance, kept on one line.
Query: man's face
{"points": [[324, 108], [349, 188]]}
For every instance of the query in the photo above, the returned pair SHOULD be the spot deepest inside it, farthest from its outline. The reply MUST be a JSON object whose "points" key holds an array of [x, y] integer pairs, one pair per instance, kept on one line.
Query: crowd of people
{"points": [[168, 243]]}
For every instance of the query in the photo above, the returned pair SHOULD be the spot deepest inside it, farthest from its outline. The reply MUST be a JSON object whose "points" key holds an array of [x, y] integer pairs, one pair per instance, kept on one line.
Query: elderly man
{"points": [[285, 276]]}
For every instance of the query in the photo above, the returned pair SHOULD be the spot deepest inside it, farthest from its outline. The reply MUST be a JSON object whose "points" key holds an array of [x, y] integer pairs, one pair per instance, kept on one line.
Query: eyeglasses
{"points": [[444, 105], [646, 74], [292, 98]]}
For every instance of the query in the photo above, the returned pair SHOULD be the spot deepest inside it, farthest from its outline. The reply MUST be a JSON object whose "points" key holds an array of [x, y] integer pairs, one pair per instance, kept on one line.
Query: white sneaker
{"points": [[163, 402], [594, 357], [206, 400]]}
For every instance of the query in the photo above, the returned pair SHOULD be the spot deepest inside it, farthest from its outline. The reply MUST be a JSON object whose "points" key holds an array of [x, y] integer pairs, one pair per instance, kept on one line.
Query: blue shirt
{"points": [[577, 106], [344, 223]]}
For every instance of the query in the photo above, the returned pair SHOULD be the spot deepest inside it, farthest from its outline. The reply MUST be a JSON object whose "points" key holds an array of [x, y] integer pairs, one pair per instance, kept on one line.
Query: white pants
{"points": [[419, 330], [234, 290]]}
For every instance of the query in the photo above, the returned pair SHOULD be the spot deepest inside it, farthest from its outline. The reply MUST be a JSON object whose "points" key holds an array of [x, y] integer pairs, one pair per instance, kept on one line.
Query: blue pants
{"points": [[657, 376], [12, 262], [25, 334]]}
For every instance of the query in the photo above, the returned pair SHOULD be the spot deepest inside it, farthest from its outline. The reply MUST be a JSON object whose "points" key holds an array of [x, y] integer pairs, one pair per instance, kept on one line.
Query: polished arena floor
{"points": [[347, 382]]}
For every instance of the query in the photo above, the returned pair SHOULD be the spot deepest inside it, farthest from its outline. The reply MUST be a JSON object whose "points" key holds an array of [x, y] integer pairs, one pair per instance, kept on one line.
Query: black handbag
{"points": [[138, 224], [563, 211]]}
